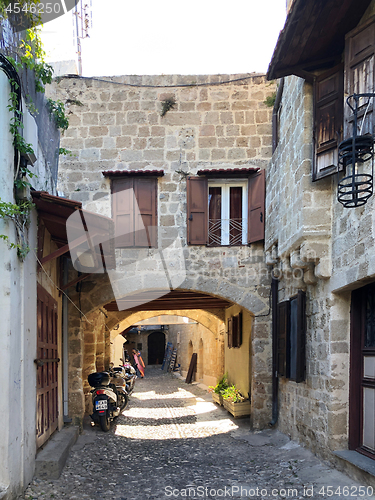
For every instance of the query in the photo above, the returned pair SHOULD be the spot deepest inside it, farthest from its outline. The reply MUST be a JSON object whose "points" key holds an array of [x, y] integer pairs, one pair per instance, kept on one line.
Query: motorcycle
{"points": [[108, 398], [130, 375]]}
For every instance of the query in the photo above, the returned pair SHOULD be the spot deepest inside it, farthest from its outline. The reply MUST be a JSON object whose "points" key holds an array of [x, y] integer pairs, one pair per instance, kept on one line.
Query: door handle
{"points": [[261, 216], [191, 217]]}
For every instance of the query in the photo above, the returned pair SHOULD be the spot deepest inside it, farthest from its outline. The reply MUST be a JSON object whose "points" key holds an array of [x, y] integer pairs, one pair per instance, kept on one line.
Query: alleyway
{"points": [[171, 437]]}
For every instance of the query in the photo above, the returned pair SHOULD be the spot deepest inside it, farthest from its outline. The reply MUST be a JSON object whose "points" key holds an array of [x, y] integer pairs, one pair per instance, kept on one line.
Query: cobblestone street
{"points": [[172, 438]]}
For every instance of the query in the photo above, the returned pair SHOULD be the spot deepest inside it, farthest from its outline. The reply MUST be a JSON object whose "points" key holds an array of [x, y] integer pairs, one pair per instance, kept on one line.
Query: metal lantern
{"points": [[356, 187]]}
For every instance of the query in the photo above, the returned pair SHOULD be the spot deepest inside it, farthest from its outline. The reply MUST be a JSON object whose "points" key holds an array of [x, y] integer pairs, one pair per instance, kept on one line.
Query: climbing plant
{"points": [[27, 53]]}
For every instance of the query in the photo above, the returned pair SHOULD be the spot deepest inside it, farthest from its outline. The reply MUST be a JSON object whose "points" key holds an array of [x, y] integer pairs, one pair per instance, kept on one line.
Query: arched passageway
{"points": [[155, 348], [247, 364]]}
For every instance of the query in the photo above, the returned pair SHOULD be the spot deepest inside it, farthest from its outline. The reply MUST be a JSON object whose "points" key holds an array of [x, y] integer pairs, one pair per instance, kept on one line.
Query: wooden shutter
{"points": [[135, 227], [283, 348], [230, 333], [145, 223], [328, 117], [298, 337], [359, 66], [257, 191], [197, 210], [237, 330], [123, 211]]}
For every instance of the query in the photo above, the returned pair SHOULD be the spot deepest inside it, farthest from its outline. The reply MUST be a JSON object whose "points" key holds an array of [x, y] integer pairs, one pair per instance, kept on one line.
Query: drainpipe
{"points": [[275, 380]]}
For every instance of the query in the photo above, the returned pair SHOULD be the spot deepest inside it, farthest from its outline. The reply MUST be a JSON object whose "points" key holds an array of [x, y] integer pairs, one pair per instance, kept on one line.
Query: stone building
{"points": [[322, 252], [173, 143]]}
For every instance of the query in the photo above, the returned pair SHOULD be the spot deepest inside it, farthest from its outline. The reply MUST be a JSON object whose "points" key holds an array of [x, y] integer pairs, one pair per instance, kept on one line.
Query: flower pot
{"points": [[217, 398], [237, 409]]}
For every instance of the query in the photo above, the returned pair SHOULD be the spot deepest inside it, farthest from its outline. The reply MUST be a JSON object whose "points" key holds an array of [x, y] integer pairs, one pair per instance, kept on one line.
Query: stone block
{"points": [[136, 117], [207, 142], [98, 131], [207, 130], [90, 119]]}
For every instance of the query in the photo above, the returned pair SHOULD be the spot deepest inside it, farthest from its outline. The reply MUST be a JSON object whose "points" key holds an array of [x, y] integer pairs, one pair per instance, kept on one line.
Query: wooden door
{"points": [[362, 372], [47, 367]]}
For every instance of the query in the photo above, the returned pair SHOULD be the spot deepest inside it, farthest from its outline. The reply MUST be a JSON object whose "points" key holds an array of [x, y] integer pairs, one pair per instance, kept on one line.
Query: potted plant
{"points": [[235, 402], [217, 390]]}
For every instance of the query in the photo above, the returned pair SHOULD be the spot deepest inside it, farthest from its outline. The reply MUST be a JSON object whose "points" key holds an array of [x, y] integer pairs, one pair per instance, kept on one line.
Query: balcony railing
{"points": [[226, 232]]}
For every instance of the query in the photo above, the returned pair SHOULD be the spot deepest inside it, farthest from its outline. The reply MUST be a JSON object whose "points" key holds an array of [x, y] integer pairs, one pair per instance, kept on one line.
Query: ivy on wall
{"points": [[28, 53]]}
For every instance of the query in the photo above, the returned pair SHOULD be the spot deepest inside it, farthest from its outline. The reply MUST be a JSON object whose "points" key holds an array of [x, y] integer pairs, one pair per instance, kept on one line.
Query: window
{"points": [[235, 331], [134, 206], [225, 211], [291, 338], [328, 120], [359, 66]]}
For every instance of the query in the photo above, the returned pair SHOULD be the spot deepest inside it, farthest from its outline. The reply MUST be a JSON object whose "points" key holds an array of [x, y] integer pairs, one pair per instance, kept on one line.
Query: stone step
{"points": [[51, 459]]}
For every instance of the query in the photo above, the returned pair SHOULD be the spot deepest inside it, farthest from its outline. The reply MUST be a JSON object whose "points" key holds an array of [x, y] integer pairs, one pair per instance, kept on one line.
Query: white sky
{"points": [[172, 36]]}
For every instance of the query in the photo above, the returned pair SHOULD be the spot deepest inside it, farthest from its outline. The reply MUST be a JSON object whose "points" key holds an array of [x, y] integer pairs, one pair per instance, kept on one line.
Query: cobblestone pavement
{"points": [[172, 442]]}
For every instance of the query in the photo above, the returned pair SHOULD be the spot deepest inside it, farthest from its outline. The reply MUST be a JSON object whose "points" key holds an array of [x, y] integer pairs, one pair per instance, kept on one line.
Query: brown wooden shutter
{"points": [[145, 223], [283, 315], [328, 117], [298, 337], [359, 66], [230, 333], [123, 212], [257, 191], [197, 210], [237, 330]]}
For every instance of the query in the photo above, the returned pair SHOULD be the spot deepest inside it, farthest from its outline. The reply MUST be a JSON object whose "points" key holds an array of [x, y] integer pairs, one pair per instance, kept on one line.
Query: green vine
{"points": [[57, 109], [19, 213], [28, 54]]}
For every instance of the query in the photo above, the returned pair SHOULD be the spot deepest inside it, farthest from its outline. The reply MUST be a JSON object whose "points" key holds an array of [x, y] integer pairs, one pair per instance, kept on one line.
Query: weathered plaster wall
{"points": [[18, 306]]}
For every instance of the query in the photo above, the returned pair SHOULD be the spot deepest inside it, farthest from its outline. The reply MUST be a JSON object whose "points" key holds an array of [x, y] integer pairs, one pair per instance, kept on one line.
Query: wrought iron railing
{"points": [[225, 231]]}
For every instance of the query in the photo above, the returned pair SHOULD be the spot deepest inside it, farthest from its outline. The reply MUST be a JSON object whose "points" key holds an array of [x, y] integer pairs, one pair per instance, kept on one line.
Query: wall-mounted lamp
{"points": [[357, 186]]}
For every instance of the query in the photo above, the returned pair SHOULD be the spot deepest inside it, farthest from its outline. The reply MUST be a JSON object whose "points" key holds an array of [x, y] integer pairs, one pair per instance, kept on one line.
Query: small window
{"points": [[235, 331]]}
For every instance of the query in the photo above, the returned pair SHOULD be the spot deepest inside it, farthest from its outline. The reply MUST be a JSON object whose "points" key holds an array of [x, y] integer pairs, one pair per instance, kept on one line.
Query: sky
{"points": [[150, 37]]}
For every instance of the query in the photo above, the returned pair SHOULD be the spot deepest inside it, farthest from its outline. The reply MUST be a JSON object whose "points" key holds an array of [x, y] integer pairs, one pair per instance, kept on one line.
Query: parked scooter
{"points": [[130, 375], [107, 398]]}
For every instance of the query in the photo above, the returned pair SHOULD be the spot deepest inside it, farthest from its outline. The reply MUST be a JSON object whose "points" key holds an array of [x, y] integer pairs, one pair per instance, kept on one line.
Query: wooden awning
{"points": [[54, 211], [314, 36]]}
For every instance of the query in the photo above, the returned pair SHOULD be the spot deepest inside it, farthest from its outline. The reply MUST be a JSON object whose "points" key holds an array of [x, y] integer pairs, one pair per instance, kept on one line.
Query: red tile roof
{"points": [[229, 172], [132, 173]]}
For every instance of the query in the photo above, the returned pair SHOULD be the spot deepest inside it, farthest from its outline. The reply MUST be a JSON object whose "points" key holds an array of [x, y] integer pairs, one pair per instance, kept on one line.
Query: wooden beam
{"points": [[77, 280], [64, 249]]}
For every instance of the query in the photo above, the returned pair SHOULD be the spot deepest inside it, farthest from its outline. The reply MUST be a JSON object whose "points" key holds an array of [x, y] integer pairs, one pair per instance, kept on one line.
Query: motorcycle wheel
{"points": [[123, 401], [104, 423]]}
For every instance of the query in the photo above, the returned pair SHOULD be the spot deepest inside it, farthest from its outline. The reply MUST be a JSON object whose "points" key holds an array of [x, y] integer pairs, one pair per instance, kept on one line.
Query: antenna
{"points": [[83, 22]]}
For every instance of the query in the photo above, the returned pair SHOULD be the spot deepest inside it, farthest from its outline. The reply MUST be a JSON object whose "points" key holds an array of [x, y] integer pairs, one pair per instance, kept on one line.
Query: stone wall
{"points": [[207, 344], [217, 122], [316, 245]]}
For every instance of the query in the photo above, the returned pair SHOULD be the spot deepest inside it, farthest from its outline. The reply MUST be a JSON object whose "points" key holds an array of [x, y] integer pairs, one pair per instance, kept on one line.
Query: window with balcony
{"points": [[226, 211]]}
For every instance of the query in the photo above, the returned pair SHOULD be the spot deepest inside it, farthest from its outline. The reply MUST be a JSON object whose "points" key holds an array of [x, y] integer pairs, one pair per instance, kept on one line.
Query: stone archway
{"points": [[108, 324]]}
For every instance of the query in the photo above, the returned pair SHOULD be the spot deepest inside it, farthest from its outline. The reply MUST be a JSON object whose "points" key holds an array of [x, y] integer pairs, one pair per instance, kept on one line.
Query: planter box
{"points": [[217, 398], [237, 409]]}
